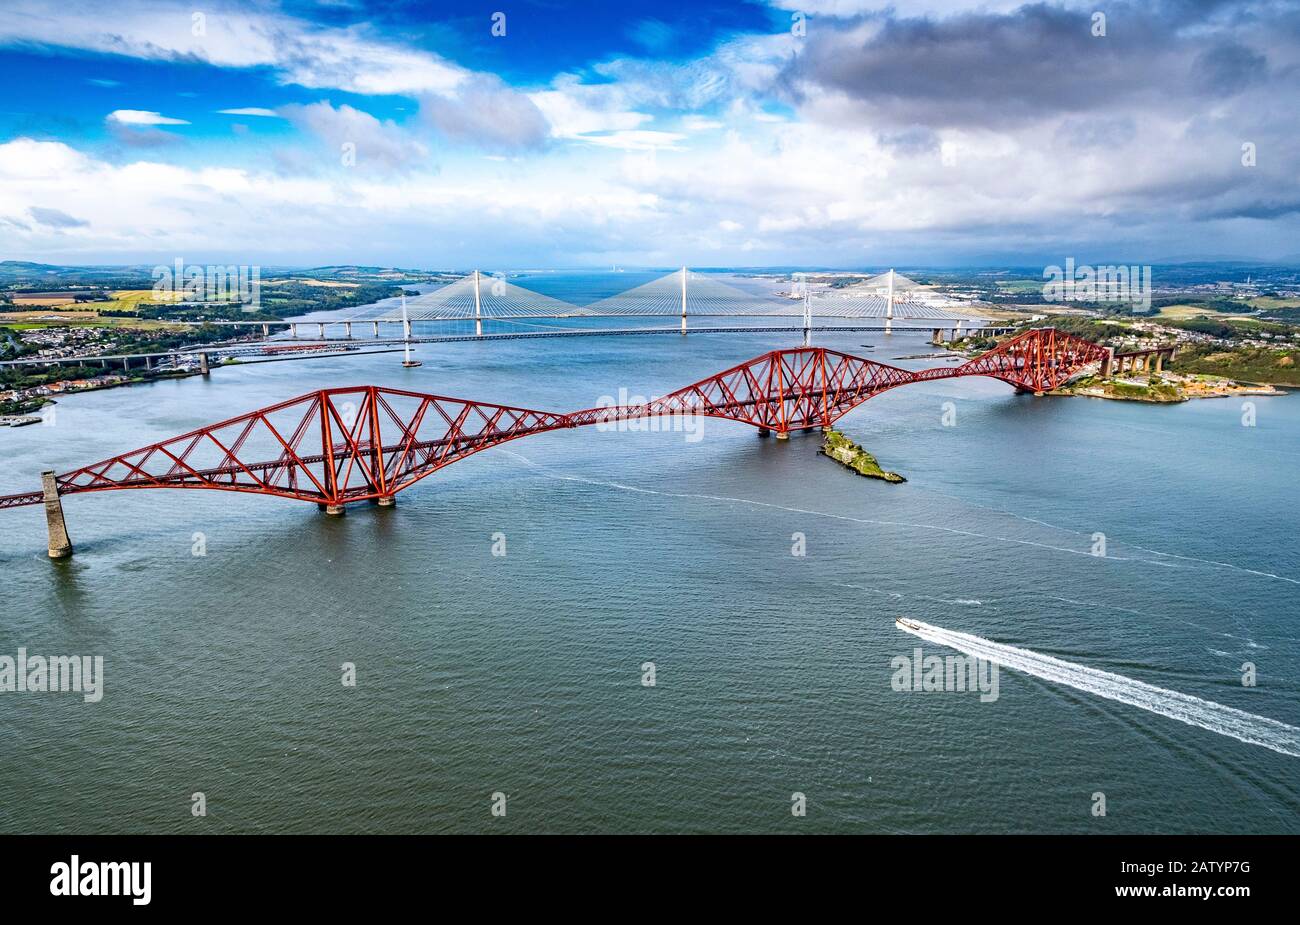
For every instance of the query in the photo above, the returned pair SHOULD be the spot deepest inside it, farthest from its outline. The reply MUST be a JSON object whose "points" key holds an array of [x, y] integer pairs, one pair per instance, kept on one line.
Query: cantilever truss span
{"points": [[336, 446]]}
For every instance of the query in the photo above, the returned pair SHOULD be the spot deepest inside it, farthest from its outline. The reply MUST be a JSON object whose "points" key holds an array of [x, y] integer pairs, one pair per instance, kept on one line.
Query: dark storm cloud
{"points": [[1229, 68], [1038, 61]]}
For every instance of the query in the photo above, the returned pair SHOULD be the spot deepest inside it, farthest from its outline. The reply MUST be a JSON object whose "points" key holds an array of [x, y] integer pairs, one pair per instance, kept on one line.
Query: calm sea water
{"points": [[522, 674]]}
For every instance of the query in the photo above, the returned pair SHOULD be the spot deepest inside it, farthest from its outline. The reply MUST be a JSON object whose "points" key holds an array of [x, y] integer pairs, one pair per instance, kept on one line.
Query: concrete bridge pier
{"points": [[1108, 362], [375, 325], [334, 510], [60, 546], [783, 435], [386, 501], [764, 432], [203, 365], [266, 330], [320, 330], [347, 330]]}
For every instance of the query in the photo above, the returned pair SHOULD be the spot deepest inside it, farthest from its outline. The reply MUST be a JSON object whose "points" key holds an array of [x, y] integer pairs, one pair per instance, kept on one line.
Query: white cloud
{"points": [[249, 111], [574, 110], [636, 140], [142, 117], [486, 112], [314, 56], [372, 141]]}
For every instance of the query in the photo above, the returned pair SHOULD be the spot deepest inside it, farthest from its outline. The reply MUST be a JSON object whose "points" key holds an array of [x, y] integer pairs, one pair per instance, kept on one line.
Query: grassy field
{"points": [[130, 300], [1183, 312], [1265, 302], [1259, 364], [30, 321], [1019, 285]]}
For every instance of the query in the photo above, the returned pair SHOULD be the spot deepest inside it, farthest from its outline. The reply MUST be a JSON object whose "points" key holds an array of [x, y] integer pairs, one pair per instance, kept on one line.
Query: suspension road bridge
{"points": [[338, 446]]}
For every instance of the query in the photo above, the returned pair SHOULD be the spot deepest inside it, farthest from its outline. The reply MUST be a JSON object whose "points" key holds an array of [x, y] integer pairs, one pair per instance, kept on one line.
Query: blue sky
{"points": [[829, 132]]}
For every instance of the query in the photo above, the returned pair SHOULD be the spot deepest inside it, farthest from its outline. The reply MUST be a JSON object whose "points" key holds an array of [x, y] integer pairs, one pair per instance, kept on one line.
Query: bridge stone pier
{"points": [[60, 546], [937, 334], [1141, 360]]}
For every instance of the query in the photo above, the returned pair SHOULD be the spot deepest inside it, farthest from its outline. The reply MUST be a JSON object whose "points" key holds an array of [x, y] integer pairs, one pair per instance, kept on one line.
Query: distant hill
{"points": [[24, 274]]}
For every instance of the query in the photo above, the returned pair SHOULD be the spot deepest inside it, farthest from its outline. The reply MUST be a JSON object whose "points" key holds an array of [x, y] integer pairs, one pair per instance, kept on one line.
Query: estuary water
{"points": [[523, 675]]}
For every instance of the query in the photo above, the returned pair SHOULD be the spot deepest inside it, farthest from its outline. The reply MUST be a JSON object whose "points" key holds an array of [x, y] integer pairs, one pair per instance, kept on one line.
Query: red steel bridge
{"points": [[366, 443]]}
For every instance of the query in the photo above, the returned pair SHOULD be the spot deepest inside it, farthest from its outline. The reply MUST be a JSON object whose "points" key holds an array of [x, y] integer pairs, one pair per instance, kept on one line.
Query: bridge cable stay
{"points": [[475, 298]]}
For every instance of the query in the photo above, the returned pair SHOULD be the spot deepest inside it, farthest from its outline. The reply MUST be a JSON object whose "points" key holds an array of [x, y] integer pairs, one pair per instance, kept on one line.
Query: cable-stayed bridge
{"points": [[682, 294], [481, 296]]}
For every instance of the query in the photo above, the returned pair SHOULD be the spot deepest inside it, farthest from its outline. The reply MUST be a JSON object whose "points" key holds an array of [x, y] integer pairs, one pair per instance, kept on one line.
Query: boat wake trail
{"points": [[1228, 721]]}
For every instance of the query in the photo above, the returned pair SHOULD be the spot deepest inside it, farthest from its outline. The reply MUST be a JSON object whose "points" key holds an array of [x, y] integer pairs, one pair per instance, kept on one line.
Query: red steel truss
{"points": [[336, 446], [331, 447]]}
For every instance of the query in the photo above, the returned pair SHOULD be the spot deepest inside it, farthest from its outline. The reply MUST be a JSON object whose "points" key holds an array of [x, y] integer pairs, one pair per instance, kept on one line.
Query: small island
{"points": [[848, 454]]}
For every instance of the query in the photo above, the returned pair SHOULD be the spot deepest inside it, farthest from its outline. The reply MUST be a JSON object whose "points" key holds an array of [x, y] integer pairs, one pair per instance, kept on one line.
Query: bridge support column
{"points": [[386, 501], [764, 432], [1160, 362], [266, 330], [783, 435], [320, 329], [335, 510], [293, 331], [1108, 362], [347, 330], [936, 336], [376, 327], [203, 364], [60, 546]]}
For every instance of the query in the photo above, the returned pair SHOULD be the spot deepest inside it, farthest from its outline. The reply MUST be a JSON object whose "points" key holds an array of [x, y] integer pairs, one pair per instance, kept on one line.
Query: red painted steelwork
{"points": [[336, 446]]}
